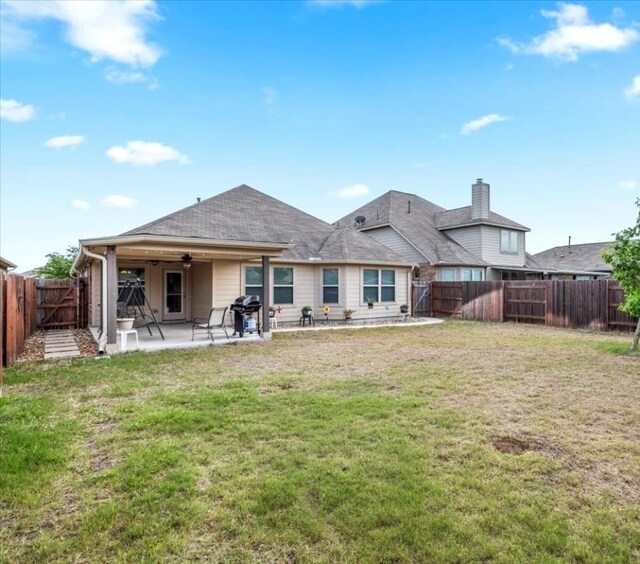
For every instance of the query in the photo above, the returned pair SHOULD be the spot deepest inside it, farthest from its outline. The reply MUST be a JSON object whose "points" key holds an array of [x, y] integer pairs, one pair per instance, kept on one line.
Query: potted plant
{"points": [[404, 308], [306, 311], [272, 312], [370, 302], [125, 323], [348, 313]]}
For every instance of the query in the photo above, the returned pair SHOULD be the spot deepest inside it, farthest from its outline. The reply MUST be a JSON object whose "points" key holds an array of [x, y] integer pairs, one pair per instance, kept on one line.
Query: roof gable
{"points": [[246, 214], [413, 218]]}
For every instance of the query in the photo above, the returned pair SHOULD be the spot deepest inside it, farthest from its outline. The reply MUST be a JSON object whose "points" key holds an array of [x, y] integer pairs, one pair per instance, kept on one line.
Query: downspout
{"points": [[102, 340]]}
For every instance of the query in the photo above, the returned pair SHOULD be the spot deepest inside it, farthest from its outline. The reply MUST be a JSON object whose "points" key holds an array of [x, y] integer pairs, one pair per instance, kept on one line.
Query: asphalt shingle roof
{"points": [[462, 216], [246, 214], [415, 219], [575, 258]]}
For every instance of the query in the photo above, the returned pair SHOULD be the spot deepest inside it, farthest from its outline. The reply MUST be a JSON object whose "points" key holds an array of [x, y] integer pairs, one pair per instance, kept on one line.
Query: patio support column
{"points": [[266, 300], [112, 295]]}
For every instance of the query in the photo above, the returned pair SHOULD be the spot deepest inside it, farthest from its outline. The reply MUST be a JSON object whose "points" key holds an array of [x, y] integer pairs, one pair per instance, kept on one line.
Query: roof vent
{"points": [[359, 220]]}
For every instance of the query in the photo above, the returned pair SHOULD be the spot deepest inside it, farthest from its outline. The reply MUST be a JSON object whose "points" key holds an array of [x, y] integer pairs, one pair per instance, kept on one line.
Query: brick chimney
{"points": [[480, 200]]}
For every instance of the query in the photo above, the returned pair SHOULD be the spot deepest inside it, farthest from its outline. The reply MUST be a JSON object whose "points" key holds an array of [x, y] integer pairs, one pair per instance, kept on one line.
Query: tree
{"points": [[58, 265], [624, 257]]}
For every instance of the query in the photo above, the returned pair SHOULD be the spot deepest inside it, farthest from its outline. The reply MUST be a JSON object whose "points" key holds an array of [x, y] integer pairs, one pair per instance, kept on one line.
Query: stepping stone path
{"points": [[60, 344]]}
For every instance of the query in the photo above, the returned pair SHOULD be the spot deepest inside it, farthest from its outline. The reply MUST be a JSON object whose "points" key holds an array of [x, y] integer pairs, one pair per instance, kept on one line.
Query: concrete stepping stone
{"points": [[60, 344]]}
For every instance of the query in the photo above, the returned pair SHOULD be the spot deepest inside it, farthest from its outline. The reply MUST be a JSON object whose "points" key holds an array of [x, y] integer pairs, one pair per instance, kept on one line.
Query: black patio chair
{"points": [[216, 321]]}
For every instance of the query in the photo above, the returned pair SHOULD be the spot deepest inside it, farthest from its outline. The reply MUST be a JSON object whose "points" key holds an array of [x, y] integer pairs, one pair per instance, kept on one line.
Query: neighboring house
{"points": [[469, 243], [227, 242], [6, 266], [576, 262]]}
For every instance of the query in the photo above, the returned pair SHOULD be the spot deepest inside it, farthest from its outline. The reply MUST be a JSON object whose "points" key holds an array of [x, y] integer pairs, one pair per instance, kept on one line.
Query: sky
{"points": [[116, 113]]}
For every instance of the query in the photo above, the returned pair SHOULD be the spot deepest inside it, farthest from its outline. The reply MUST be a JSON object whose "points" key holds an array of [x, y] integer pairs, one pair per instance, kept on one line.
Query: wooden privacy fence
{"points": [[29, 304], [588, 304]]}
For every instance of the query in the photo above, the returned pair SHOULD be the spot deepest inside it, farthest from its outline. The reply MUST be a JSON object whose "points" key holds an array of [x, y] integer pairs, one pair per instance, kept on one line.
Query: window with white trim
{"points": [[330, 286], [473, 274], [508, 242], [448, 274], [282, 285], [253, 282], [378, 285]]}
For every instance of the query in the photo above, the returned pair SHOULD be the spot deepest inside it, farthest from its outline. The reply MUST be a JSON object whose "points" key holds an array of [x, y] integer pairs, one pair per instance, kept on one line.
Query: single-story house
{"points": [[575, 262], [6, 266], [243, 242], [467, 243]]}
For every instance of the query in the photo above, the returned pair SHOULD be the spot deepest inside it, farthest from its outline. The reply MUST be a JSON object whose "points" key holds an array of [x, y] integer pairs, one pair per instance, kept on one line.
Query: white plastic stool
{"points": [[123, 338], [273, 322]]}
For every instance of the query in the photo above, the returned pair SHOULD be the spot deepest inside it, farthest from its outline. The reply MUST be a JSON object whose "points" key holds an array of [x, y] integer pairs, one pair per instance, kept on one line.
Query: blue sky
{"points": [[116, 113]]}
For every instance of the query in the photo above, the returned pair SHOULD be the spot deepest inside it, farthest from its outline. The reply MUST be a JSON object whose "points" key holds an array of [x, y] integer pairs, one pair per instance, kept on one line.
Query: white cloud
{"points": [[359, 4], [353, 191], [146, 153], [270, 96], [12, 110], [628, 184], [116, 201], [574, 35], [482, 122], [107, 29], [633, 90], [79, 205], [64, 141], [117, 76]]}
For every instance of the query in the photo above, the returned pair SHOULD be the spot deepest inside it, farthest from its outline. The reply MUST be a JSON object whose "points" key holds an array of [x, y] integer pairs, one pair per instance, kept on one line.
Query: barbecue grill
{"points": [[243, 309]]}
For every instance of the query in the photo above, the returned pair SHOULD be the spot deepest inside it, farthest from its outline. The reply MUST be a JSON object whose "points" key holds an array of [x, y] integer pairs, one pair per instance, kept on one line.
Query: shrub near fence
{"points": [[587, 304]]}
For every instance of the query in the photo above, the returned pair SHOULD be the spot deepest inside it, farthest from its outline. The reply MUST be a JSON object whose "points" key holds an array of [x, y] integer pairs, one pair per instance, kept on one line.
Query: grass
{"points": [[375, 445]]}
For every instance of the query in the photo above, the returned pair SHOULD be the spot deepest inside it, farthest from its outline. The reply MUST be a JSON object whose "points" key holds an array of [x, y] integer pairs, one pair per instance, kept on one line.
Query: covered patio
{"points": [[179, 284]]}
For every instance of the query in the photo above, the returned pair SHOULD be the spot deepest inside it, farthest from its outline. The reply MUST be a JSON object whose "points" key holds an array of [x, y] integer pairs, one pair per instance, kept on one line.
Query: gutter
{"points": [[102, 340]]}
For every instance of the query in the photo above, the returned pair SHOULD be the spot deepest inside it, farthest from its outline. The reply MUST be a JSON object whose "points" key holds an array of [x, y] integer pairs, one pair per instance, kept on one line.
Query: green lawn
{"points": [[376, 445]]}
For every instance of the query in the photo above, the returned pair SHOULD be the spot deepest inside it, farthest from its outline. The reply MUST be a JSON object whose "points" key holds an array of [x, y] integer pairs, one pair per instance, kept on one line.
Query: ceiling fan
{"points": [[186, 259]]}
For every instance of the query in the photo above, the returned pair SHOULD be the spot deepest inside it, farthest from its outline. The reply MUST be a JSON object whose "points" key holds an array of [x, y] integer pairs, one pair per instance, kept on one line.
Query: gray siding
{"points": [[491, 248], [468, 237], [392, 239]]}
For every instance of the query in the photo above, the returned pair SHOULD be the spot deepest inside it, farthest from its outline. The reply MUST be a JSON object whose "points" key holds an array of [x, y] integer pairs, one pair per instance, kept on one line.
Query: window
{"points": [[128, 276], [508, 242], [448, 274], [330, 288], [473, 274], [378, 285], [253, 282], [282, 285]]}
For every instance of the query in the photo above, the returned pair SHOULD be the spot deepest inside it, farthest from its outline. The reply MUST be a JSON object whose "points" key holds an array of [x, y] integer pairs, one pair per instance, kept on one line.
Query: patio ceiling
{"points": [[172, 249]]}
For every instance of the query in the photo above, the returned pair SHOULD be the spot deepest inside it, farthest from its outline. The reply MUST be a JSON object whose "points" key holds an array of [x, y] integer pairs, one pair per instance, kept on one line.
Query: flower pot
{"points": [[125, 323], [370, 306]]}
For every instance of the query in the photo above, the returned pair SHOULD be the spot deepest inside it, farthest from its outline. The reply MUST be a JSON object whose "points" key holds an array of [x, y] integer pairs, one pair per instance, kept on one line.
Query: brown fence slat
{"points": [[587, 304], [28, 304]]}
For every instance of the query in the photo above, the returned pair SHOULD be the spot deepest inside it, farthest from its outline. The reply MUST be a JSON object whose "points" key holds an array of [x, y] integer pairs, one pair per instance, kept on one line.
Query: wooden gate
{"points": [[525, 302], [421, 299], [61, 304]]}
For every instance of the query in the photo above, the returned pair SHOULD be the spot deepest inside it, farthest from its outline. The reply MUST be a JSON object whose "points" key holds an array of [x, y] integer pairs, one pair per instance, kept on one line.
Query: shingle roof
{"points": [[575, 258], [245, 214], [414, 218], [6, 264], [462, 216]]}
